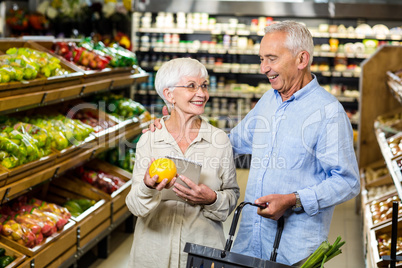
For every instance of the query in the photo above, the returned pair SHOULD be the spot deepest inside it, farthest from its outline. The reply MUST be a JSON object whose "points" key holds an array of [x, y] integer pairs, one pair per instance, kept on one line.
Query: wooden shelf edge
{"points": [[16, 102]]}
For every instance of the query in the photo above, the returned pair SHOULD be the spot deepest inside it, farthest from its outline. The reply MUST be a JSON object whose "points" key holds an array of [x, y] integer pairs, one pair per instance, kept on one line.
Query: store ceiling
{"points": [[371, 9]]}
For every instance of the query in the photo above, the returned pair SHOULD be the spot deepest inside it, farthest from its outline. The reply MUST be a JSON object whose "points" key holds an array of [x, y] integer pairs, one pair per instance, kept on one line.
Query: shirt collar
{"points": [[303, 92], [205, 132]]}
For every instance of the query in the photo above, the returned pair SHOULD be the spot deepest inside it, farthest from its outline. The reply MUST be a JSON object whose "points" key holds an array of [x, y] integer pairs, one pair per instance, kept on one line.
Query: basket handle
{"points": [[232, 230], [229, 241]]}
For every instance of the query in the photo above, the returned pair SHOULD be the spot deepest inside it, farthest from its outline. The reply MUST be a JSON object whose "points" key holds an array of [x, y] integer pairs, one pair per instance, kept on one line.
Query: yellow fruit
{"points": [[164, 168]]}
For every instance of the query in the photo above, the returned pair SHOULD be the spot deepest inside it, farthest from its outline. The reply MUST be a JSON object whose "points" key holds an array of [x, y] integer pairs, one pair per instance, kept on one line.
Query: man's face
{"points": [[279, 64]]}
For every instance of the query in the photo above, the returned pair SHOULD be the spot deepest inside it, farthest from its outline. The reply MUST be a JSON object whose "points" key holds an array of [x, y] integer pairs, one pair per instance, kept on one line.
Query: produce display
{"points": [[384, 244], [26, 64], [77, 206], [23, 140], [395, 144], [5, 259], [165, 168], [382, 210], [101, 180], [119, 106], [93, 120], [21, 143], [122, 156], [29, 222], [324, 253], [63, 131], [95, 55]]}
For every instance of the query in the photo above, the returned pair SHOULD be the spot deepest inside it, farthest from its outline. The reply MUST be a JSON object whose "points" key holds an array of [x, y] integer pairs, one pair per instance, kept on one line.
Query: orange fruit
{"points": [[164, 168]]}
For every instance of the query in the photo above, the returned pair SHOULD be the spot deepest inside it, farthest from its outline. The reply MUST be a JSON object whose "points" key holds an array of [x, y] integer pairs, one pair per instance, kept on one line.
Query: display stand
{"points": [[377, 98]]}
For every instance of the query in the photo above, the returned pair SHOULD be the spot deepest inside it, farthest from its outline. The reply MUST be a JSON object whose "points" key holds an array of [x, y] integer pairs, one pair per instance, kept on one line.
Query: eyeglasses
{"points": [[193, 87]]}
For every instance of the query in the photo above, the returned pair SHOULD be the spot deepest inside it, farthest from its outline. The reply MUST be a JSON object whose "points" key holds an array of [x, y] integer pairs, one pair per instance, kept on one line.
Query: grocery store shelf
{"points": [[388, 157], [81, 156], [243, 32], [62, 93], [394, 83]]}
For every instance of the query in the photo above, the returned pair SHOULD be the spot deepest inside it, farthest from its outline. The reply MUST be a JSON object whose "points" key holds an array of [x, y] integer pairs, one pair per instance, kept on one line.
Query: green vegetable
{"points": [[2, 252], [74, 208], [5, 260], [324, 253], [85, 203], [10, 162]]}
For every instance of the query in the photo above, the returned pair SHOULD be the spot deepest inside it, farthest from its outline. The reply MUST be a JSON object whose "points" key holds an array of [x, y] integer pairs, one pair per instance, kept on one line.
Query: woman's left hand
{"points": [[197, 194]]}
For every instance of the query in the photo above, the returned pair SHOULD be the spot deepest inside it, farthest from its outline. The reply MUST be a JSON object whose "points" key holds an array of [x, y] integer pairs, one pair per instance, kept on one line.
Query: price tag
{"points": [[336, 74]]}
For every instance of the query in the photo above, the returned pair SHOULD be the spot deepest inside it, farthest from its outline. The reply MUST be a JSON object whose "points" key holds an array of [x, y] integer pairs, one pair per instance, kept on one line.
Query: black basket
{"points": [[206, 257]]}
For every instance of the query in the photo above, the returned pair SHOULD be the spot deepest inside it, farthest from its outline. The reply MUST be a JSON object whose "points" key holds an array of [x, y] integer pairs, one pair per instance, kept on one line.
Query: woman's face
{"points": [[191, 95]]}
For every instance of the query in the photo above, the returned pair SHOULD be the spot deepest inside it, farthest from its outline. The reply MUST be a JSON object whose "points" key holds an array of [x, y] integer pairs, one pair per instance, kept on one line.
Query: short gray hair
{"points": [[298, 39], [171, 72]]}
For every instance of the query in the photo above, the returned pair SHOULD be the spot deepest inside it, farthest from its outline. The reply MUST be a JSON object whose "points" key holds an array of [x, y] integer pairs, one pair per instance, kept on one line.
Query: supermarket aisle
{"points": [[345, 223]]}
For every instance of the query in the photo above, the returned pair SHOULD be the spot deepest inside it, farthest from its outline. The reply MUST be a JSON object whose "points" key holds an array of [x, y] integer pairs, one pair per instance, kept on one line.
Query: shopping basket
{"points": [[206, 257]]}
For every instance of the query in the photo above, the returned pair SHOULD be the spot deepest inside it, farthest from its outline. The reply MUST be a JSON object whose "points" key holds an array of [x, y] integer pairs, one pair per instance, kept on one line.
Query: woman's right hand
{"points": [[151, 182], [157, 122]]}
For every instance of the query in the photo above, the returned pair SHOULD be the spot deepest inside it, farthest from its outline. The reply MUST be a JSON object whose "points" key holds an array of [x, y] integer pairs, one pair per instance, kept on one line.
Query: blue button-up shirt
{"points": [[304, 144]]}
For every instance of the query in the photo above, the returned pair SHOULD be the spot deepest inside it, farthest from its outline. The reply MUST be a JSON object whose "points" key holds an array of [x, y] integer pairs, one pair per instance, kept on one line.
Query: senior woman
{"points": [[165, 225]]}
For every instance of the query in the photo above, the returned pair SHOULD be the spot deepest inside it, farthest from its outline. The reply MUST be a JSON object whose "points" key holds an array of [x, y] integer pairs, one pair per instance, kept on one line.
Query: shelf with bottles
{"points": [[203, 23], [173, 33]]}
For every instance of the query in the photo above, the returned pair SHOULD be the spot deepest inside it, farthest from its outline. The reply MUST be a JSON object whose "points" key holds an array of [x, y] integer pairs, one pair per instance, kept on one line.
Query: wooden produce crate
{"points": [[118, 197], [376, 182], [379, 212], [375, 235], [25, 170], [73, 150], [90, 75], [103, 119], [3, 176], [18, 257], [65, 244], [48, 243], [27, 263], [72, 78], [69, 187]]}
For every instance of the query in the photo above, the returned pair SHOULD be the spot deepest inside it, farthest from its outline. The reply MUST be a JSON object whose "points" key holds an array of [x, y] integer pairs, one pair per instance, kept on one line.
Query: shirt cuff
{"points": [[308, 201], [146, 191], [214, 205]]}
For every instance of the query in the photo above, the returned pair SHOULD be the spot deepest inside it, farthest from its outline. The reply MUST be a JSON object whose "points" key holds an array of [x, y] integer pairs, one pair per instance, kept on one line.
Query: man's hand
{"points": [[197, 194], [276, 205], [151, 182], [156, 124]]}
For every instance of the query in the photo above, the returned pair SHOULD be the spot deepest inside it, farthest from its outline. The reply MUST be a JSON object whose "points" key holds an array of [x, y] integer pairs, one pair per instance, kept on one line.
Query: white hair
{"points": [[298, 38], [171, 73]]}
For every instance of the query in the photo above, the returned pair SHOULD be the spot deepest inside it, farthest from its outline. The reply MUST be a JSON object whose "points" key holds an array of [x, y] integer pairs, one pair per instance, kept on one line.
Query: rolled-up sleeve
{"points": [[336, 155], [141, 200]]}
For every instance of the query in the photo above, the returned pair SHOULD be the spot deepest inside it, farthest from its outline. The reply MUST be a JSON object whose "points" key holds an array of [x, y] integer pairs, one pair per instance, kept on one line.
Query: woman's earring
{"points": [[173, 106]]}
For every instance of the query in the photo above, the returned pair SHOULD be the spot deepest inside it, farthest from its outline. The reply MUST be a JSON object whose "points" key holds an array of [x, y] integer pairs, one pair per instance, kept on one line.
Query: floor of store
{"points": [[345, 223]]}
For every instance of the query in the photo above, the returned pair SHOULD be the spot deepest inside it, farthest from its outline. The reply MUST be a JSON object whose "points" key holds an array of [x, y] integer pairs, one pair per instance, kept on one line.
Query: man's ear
{"points": [[168, 95], [302, 59]]}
